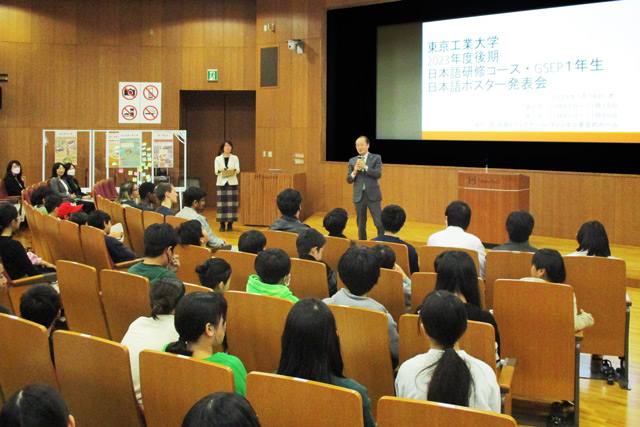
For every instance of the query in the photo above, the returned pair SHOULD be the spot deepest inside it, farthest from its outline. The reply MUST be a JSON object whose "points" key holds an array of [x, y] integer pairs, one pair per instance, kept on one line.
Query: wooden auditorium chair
{"points": [[125, 297], [117, 217], [283, 240], [389, 291], [242, 266], [190, 380], [133, 218], [11, 290], [149, 218], [96, 253], [51, 229], [505, 265], [189, 288], [281, 401], [333, 250], [95, 380], [428, 254], [308, 279], [38, 228], [401, 251], [424, 283], [175, 221], [71, 241], [191, 256]]}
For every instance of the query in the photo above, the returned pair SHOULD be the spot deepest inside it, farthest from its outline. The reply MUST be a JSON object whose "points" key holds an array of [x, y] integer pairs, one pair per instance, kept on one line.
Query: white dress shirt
{"points": [[456, 237]]}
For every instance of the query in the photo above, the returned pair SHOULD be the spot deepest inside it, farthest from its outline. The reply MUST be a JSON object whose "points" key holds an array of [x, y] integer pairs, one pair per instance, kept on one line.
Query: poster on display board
{"points": [[130, 149], [140, 102], [162, 149], [66, 146], [113, 149]]}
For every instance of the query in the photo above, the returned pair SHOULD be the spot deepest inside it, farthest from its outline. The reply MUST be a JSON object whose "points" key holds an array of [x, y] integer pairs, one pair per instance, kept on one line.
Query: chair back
{"points": [[428, 254], [308, 403], [308, 279], [95, 380], [191, 380], [536, 328], [600, 288], [175, 221], [422, 284], [70, 240], [125, 297], [52, 235], [364, 336], [191, 256], [189, 288], [80, 294], [333, 250], [505, 265], [110, 188], [257, 346], [242, 266], [389, 291], [117, 217], [99, 198], [149, 218], [283, 240], [95, 248], [15, 294], [133, 218], [399, 412], [36, 244], [401, 251], [25, 355], [38, 225]]}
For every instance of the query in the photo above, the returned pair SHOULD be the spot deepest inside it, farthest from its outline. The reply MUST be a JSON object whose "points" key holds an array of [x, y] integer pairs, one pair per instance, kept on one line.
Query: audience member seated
{"points": [[252, 241], [592, 240], [311, 350], [74, 188], [14, 257], [548, 265], [167, 196], [458, 216], [273, 268], [80, 218], [221, 410], [36, 405], [215, 273], [192, 233], [153, 333], [160, 261], [148, 199], [41, 304], [289, 203], [457, 274], [335, 222], [66, 209], [39, 196], [201, 322], [387, 258], [14, 183], [117, 250], [310, 244], [359, 270], [446, 374], [393, 218], [194, 199], [519, 226], [58, 182], [51, 203], [128, 195]]}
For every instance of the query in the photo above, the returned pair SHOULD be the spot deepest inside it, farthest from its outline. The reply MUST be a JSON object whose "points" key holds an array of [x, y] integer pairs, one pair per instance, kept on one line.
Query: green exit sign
{"points": [[212, 75]]}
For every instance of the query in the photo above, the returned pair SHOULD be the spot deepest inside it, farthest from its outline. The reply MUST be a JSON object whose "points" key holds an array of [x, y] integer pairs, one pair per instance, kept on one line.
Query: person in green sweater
{"points": [[159, 260], [273, 268], [201, 322]]}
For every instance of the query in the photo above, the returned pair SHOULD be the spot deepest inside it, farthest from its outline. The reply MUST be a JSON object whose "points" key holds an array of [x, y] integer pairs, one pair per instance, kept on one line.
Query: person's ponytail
{"points": [[179, 347], [451, 381]]}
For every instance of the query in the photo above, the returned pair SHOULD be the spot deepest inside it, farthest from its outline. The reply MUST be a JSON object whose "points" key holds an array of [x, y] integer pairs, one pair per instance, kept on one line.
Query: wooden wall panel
{"points": [[15, 60], [41, 88], [17, 21], [193, 24], [63, 75], [86, 87], [108, 70], [64, 28], [130, 22], [151, 30]]}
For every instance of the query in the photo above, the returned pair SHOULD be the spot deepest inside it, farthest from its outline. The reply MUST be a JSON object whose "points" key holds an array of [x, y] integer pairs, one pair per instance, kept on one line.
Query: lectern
{"points": [[492, 197], [258, 192]]}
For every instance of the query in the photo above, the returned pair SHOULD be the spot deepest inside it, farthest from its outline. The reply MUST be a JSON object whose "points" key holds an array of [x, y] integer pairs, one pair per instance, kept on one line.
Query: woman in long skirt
{"points": [[227, 168]]}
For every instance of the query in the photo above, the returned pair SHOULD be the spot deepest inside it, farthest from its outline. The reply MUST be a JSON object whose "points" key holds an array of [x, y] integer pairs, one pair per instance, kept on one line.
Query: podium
{"points": [[258, 193], [492, 197]]}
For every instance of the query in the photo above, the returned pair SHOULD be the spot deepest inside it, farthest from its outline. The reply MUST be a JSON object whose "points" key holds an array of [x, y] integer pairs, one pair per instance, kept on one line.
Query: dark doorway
{"points": [[210, 117]]}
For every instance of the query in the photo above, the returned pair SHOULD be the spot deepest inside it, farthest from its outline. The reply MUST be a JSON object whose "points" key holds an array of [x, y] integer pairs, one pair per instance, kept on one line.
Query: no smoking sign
{"points": [[140, 102]]}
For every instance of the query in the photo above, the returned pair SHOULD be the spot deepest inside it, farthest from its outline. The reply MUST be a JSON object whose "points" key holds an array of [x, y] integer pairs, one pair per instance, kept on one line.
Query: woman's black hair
{"points": [[54, 170], [8, 213], [221, 410], [213, 271], [221, 149], [457, 274], [310, 343], [592, 237], [36, 405], [9, 174], [444, 318], [164, 295], [193, 313], [190, 232]]}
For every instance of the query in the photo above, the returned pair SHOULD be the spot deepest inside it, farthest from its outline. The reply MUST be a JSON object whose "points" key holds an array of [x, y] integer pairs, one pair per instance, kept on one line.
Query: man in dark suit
{"points": [[365, 170]]}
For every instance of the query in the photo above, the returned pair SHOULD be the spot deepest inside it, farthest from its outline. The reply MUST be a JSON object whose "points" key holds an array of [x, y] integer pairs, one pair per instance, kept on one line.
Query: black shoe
{"points": [[222, 226], [556, 415], [229, 226], [596, 363]]}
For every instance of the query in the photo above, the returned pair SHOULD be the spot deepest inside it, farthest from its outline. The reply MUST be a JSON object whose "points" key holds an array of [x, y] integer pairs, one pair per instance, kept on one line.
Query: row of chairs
{"points": [[105, 188]]}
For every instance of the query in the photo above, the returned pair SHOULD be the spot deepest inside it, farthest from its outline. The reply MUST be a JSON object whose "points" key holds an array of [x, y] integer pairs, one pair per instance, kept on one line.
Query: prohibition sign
{"points": [[150, 92], [150, 113], [129, 92], [129, 112]]}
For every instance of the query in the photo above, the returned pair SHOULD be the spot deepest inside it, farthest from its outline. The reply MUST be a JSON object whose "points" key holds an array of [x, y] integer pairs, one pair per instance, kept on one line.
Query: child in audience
{"points": [[80, 218], [221, 410], [51, 203], [192, 233], [36, 405], [592, 240], [457, 274], [153, 333], [38, 198], [14, 257], [387, 258], [252, 241], [215, 273], [446, 374], [310, 244], [273, 268], [359, 269], [117, 250], [311, 350], [201, 322], [335, 222], [41, 304], [160, 241], [548, 265]]}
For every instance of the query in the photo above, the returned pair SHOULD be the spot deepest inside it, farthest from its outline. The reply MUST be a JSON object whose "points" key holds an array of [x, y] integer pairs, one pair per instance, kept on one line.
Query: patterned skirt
{"points": [[227, 203]]}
